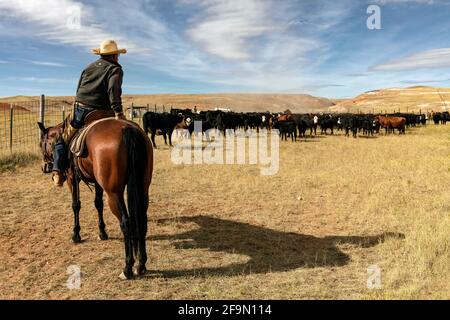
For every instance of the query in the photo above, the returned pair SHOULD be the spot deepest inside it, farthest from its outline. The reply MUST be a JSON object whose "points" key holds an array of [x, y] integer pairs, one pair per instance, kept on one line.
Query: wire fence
{"points": [[19, 131], [136, 112]]}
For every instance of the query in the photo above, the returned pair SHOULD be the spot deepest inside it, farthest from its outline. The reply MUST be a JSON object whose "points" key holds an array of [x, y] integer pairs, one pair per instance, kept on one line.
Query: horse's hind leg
{"points": [[141, 269], [99, 206], [118, 208]]}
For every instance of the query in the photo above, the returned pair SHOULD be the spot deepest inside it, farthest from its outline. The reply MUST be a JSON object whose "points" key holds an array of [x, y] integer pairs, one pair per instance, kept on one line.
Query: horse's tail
{"points": [[137, 197]]}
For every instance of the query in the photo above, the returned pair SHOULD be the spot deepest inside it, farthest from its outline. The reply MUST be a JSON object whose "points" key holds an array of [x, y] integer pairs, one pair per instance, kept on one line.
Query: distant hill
{"points": [[244, 102], [384, 100], [393, 99]]}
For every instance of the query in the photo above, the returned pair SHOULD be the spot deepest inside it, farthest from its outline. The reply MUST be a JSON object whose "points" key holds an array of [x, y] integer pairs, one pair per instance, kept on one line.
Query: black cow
{"points": [[253, 121], [349, 123], [369, 125], [327, 122], [304, 123], [162, 123], [441, 117], [287, 129], [445, 117], [205, 126]]}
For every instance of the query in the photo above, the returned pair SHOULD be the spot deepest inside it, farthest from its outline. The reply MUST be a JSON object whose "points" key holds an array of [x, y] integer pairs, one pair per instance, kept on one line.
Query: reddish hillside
{"points": [[6, 106], [419, 98]]}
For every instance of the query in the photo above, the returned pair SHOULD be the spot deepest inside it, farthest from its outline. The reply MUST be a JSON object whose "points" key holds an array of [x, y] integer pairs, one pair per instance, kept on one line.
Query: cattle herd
{"points": [[290, 125]]}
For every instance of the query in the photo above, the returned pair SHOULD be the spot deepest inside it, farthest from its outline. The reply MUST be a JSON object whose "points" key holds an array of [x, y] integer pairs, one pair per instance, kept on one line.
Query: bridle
{"points": [[47, 166]]}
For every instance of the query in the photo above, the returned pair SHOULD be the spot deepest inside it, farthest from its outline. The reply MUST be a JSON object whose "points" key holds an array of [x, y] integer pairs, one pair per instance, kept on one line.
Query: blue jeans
{"points": [[60, 156]]}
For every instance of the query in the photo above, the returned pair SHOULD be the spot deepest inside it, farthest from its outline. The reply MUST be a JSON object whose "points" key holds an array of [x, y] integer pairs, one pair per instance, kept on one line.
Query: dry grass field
{"points": [[336, 207]]}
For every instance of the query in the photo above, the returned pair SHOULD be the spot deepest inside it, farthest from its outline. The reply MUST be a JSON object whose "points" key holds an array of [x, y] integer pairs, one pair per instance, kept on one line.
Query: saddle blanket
{"points": [[78, 143]]}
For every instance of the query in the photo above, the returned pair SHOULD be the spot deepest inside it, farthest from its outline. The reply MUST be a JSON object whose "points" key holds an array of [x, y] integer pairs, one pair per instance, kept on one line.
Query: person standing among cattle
{"points": [[99, 88]]}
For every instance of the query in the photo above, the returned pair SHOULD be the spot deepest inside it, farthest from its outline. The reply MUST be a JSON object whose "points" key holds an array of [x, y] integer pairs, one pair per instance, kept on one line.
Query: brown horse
{"points": [[119, 155]]}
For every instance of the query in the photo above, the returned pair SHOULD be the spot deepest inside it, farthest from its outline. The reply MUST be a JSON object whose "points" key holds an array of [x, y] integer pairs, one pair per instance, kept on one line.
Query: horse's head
{"points": [[49, 136]]}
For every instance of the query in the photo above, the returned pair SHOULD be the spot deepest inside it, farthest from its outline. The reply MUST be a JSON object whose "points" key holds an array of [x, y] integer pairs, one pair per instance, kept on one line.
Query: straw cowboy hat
{"points": [[108, 47]]}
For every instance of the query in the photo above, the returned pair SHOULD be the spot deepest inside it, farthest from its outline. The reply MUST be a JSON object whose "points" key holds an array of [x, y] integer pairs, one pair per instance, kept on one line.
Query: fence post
{"points": [[148, 107], [11, 114], [164, 109], [42, 109], [155, 107], [63, 113], [132, 111]]}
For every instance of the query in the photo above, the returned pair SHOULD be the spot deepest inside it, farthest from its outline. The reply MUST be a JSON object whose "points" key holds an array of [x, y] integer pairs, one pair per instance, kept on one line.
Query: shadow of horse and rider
{"points": [[267, 250]]}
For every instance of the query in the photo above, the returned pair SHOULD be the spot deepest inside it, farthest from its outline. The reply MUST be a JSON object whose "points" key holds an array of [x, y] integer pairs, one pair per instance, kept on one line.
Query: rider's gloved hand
{"points": [[121, 116]]}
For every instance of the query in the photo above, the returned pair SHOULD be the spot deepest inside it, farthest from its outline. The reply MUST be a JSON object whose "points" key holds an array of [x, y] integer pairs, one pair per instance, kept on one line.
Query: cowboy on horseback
{"points": [[115, 155], [99, 88]]}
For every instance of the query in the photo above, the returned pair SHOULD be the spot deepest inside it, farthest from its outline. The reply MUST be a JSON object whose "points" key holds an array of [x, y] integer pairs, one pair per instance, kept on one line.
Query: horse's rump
{"points": [[104, 148]]}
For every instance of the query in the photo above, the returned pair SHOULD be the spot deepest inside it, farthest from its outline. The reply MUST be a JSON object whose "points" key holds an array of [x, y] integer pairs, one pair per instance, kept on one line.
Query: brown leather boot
{"points": [[58, 179]]}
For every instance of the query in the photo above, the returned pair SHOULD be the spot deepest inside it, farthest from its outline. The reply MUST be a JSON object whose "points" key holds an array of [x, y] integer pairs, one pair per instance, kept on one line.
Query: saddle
{"points": [[77, 144]]}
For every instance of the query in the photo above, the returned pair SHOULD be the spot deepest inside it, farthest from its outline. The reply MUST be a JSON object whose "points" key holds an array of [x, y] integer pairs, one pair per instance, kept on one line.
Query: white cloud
{"points": [[240, 30], [256, 45], [48, 63], [429, 2], [434, 58], [41, 80], [224, 28], [424, 81], [54, 18], [260, 42]]}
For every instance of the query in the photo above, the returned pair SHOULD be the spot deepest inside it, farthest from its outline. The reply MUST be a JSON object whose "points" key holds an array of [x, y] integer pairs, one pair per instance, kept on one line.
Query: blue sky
{"points": [[320, 47]]}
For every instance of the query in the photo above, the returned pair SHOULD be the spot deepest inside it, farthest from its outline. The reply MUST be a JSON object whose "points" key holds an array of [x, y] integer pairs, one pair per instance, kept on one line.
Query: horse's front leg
{"points": [[76, 206], [99, 206]]}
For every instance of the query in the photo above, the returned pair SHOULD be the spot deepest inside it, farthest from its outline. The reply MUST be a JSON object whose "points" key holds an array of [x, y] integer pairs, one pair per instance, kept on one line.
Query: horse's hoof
{"points": [[139, 271], [122, 276], [76, 238], [103, 236]]}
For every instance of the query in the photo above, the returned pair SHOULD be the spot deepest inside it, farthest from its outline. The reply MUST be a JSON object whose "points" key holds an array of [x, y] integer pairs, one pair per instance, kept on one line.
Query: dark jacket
{"points": [[100, 85]]}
